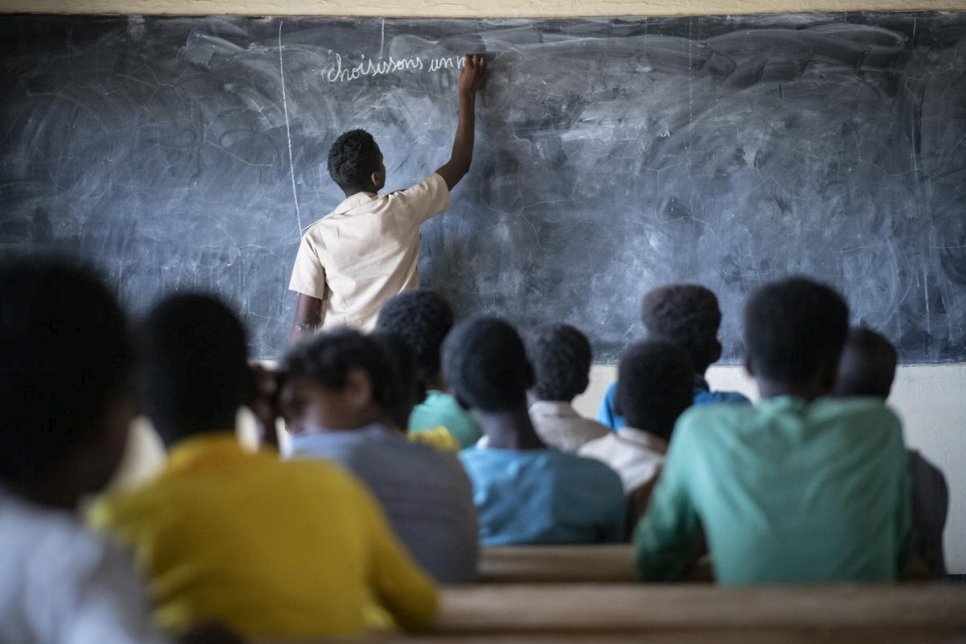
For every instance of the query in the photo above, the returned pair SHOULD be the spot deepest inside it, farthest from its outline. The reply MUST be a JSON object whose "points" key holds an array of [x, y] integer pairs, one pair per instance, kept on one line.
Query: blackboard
{"points": [[613, 155]]}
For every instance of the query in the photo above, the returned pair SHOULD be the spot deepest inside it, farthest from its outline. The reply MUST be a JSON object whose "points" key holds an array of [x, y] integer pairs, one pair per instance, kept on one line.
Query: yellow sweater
{"points": [[269, 548]]}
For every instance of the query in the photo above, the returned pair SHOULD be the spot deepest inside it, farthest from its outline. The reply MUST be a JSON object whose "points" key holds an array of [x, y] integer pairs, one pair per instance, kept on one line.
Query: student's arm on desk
{"points": [[471, 78], [669, 537], [308, 317]]}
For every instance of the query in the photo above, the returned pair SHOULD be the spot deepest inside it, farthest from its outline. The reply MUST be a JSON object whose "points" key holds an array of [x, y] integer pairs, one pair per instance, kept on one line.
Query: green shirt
{"points": [[787, 492], [442, 409]]}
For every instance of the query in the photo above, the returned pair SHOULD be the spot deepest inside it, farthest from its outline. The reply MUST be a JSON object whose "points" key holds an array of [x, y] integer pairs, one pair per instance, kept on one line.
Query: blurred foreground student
{"points": [[268, 547], [342, 401], [687, 314], [367, 249], [867, 368], [654, 387], [423, 318], [561, 357], [66, 367], [796, 489], [525, 492]]}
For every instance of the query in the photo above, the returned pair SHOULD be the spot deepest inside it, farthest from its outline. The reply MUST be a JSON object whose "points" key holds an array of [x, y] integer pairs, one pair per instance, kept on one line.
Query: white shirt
{"points": [[365, 251], [636, 455], [559, 425], [62, 584]]}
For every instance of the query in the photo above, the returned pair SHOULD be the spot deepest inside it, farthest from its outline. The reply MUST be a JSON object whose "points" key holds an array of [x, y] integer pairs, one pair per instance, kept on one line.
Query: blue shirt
{"points": [[786, 491], [441, 409], [424, 492], [544, 496], [702, 396]]}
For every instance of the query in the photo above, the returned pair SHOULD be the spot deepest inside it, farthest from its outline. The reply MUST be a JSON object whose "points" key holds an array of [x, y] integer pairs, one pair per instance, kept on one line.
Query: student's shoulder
{"points": [[587, 467], [858, 410], [714, 417]]}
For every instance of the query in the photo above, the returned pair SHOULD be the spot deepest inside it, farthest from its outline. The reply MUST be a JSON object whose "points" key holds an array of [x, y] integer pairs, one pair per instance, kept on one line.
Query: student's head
{"points": [[654, 386], [486, 365], [355, 163], [867, 366], [561, 357], [196, 372], [66, 368], [408, 391], [338, 380], [687, 314], [794, 332], [422, 318]]}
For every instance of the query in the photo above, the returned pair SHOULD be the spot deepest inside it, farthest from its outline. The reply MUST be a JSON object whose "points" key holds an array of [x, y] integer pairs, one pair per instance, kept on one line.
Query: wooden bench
{"points": [[566, 564]]}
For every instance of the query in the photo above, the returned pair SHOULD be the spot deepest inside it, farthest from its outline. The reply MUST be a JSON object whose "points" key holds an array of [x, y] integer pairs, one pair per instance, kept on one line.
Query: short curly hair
{"points": [[353, 158], [423, 318], [794, 327], [655, 384], [485, 363], [328, 357], [561, 356], [687, 314]]}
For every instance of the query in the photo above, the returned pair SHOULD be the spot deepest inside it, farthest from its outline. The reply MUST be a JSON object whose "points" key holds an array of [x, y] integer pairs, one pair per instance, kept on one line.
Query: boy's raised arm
{"points": [[471, 78]]}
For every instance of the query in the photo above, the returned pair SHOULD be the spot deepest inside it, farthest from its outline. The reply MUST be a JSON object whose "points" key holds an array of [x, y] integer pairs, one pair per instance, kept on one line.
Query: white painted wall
{"points": [[930, 400]]}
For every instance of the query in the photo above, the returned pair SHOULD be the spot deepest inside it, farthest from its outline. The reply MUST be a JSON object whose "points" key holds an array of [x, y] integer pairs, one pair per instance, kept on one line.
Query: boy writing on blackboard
{"points": [[367, 249]]}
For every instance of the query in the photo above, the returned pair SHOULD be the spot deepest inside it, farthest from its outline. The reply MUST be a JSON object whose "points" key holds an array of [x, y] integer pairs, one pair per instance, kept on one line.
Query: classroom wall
{"points": [[930, 399]]}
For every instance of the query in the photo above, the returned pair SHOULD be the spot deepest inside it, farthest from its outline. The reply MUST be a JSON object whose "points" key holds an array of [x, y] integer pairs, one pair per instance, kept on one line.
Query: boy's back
{"points": [[271, 548], [424, 492], [787, 491], [544, 496]]}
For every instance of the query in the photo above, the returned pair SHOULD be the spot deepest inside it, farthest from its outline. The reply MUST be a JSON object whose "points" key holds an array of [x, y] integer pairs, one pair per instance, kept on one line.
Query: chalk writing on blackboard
{"points": [[367, 67]]}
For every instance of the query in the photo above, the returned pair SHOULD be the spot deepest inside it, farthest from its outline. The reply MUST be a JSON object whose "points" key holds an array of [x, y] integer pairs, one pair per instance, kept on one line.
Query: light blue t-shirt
{"points": [[544, 496], [702, 396], [424, 492], [442, 409]]}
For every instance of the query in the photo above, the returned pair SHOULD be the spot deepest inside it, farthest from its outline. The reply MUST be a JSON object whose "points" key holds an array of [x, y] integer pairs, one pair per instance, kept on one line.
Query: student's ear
{"points": [[378, 178], [749, 366], [358, 389], [716, 351]]}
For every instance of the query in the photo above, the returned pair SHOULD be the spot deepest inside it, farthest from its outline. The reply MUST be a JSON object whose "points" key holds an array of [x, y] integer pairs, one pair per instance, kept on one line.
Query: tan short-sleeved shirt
{"points": [[365, 251]]}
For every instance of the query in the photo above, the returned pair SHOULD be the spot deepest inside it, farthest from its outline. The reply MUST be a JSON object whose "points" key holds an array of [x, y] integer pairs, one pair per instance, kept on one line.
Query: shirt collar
{"points": [[215, 446], [555, 407], [353, 201], [645, 439]]}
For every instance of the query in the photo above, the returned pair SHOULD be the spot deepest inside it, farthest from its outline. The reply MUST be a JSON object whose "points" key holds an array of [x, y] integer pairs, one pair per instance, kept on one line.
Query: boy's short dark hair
{"points": [[423, 318], [655, 384], [687, 314], [486, 365], [196, 369], [867, 365], [561, 357], [793, 328], [408, 392], [353, 158], [328, 357], [65, 355]]}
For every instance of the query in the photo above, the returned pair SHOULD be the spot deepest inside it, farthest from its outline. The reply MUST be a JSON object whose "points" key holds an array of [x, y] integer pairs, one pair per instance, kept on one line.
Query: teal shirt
{"points": [[787, 492], [441, 409]]}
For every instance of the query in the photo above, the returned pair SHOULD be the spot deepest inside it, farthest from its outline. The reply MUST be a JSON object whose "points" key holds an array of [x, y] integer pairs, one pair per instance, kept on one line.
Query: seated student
{"points": [[67, 365], [654, 386], [561, 357], [423, 318], [271, 548], [525, 492], [867, 368], [340, 401], [796, 489], [687, 314]]}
